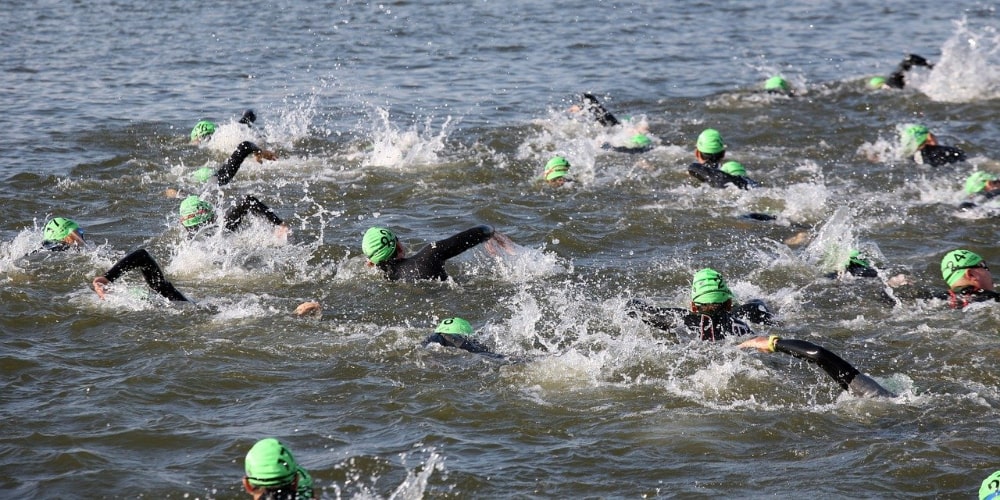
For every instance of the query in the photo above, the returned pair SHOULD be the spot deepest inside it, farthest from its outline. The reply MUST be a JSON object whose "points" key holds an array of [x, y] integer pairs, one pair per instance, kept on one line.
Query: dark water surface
{"points": [[432, 117]]}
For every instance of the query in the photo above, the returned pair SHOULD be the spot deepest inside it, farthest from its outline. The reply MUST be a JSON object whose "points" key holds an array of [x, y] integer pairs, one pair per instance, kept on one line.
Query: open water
{"points": [[431, 117]]}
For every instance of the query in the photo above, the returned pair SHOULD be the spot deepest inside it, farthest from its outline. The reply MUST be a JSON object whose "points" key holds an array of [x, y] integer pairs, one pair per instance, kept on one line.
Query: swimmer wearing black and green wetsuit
{"points": [[711, 327], [711, 174], [428, 263]]}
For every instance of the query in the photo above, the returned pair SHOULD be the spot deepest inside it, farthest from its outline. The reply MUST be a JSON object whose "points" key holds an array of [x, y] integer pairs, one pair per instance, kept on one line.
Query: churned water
{"points": [[432, 117]]}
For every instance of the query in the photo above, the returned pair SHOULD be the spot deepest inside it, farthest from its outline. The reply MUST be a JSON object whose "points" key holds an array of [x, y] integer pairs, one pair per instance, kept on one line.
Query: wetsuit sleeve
{"points": [[455, 245], [846, 375], [236, 216], [715, 177], [140, 259], [232, 165], [937, 156], [664, 318]]}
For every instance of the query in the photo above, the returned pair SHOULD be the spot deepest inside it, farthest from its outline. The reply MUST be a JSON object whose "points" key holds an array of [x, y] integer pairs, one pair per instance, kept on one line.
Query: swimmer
{"points": [[711, 314], [919, 142], [856, 265], [968, 278], [638, 143], [982, 186], [456, 332], [228, 170], [555, 171], [272, 473], [151, 272], [62, 234], [196, 214], [593, 107], [204, 129], [897, 79], [847, 376], [384, 250], [778, 85], [731, 172]]}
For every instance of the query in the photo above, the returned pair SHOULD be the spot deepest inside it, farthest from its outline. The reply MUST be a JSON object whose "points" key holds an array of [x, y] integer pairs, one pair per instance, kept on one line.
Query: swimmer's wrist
{"points": [[772, 342]]}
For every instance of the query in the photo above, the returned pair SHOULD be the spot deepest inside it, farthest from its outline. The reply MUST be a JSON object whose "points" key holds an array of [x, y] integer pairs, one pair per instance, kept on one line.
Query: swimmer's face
{"points": [[559, 181], [980, 277], [992, 186], [74, 239]]}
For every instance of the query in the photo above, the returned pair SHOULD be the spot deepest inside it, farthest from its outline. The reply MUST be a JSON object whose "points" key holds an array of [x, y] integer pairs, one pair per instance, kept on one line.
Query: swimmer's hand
{"points": [[264, 154], [499, 242], [282, 231], [762, 344], [99, 283], [898, 281], [311, 308], [170, 193]]}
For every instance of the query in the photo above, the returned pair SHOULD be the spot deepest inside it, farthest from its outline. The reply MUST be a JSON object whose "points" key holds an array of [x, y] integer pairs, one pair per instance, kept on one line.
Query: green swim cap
{"points": [[556, 167], [914, 136], [269, 463], [708, 287], [956, 261], [195, 212], [734, 168], [454, 326], [59, 228], [201, 129], [776, 83], [977, 181], [856, 259], [710, 142], [639, 141], [876, 82], [990, 486], [378, 244], [203, 174]]}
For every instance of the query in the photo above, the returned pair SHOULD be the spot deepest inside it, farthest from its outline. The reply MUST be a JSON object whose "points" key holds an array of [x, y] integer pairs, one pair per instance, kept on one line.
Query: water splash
{"points": [[969, 68], [393, 147]]}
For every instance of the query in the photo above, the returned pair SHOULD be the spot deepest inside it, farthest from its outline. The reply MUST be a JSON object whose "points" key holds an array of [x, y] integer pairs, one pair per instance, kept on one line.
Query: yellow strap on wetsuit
{"points": [[772, 341]]}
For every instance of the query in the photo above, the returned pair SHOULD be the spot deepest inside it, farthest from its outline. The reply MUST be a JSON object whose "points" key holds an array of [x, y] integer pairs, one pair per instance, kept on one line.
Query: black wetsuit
{"points": [[140, 259], [897, 79], [626, 149], [236, 216], [937, 156], [428, 263], [594, 107], [709, 327], [849, 378], [460, 341], [715, 177], [855, 269], [228, 170]]}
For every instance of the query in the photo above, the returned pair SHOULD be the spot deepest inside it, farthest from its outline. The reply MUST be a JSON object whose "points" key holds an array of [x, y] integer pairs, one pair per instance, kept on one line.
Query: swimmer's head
{"points": [[269, 464], [60, 228], [710, 142], [978, 182], [708, 287], [956, 261], [914, 137], [639, 141], [379, 244], [556, 168], [203, 174], [990, 489], [194, 212], [734, 168], [776, 84], [877, 82], [454, 326], [202, 130], [855, 259]]}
